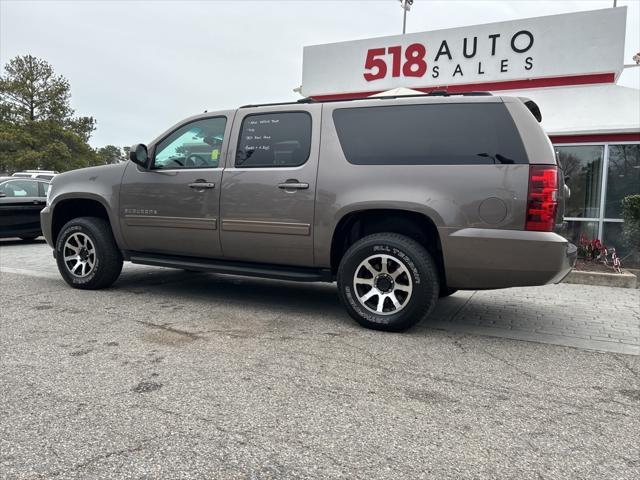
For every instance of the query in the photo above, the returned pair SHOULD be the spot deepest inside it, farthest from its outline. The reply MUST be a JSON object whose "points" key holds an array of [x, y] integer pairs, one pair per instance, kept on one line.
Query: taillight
{"points": [[542, 201]]}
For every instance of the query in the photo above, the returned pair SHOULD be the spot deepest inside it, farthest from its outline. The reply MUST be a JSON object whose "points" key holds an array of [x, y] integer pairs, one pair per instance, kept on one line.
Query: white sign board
{"points": [[559, 46]]}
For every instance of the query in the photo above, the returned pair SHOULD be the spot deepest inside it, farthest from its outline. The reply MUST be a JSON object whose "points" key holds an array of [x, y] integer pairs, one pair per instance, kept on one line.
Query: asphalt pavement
{"points": [[170, 374]]}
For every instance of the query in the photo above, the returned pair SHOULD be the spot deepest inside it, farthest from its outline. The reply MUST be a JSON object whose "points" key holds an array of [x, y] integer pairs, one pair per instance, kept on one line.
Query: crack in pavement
{"points": [[166, 327], [97, 458]]}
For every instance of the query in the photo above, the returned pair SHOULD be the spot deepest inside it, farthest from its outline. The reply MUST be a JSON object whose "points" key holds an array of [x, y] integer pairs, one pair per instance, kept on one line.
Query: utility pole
{"points": [[406, 6]]}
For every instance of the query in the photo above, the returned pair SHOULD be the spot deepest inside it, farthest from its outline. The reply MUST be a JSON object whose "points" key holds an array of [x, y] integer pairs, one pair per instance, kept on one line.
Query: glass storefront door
{"points": [[600, 176]]}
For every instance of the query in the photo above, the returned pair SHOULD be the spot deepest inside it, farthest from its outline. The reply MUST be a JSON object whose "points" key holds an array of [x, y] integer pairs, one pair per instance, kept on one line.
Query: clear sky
{"points": [[140, 66]]}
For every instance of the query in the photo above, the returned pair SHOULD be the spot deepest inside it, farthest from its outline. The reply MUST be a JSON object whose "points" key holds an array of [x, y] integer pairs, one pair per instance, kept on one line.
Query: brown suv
{"points": [[401, 200]]}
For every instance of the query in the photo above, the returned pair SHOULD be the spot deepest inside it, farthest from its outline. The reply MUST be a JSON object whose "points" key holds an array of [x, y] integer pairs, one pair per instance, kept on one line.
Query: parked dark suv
{"points": [[401, 200]]}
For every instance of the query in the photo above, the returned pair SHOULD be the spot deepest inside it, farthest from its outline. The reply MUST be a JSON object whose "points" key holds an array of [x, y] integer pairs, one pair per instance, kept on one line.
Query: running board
{"points": [[278, 272]]}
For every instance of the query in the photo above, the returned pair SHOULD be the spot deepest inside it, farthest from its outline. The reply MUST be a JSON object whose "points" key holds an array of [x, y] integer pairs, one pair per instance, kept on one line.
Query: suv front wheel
{"points": [[388, 281], [87, 255]]}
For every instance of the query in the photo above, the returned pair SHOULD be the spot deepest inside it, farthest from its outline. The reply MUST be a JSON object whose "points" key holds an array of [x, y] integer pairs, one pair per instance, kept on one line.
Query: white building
{"points": [[568, 64]]}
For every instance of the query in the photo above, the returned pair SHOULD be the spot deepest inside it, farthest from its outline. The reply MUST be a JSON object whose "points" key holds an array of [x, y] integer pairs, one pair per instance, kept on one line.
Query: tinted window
{"points": [[194, 145], [441, 134], [274, 140], [20, 188]]}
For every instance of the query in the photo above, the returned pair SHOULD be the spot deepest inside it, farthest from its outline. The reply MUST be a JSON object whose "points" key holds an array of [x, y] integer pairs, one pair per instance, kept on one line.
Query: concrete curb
{"points": [[620, 280]]}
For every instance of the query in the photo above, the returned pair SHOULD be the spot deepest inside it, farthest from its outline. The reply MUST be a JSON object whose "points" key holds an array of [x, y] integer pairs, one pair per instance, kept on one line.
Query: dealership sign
{"points": [[573, 48]]}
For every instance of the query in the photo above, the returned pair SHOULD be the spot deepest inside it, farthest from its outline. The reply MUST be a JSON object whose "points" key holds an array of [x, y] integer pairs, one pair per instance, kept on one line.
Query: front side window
{"points": [[274, 140], [20, 188], [195, 145]]}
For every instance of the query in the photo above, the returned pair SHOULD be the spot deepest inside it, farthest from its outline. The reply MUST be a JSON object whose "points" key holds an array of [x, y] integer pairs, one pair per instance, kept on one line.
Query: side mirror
{"points": [[138, 154]]}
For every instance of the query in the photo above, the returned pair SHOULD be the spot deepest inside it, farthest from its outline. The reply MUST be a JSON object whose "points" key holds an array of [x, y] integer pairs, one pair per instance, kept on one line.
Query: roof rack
{"points": [[434, 93], [302, 100]]}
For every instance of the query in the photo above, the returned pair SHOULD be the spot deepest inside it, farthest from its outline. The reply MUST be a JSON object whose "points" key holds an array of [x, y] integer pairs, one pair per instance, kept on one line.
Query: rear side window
{"points": [[440, 134], [274, 140]]}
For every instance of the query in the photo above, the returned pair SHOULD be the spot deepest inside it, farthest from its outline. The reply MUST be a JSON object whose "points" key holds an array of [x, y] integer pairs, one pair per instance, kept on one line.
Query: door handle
{"points": [[199, 185], [293, 186]]}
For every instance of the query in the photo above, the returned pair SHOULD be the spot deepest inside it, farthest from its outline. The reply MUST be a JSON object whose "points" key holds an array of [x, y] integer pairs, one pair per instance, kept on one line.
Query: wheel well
{"points": [[74, 208], [416, 226]]}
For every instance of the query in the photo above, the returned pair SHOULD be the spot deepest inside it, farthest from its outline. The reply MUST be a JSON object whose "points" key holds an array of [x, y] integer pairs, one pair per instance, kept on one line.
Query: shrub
{"points": [[594, 251], [631, 225]]}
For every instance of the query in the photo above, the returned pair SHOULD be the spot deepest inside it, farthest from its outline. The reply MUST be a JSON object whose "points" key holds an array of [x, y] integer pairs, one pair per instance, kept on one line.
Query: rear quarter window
{"points": [[432, 134]]}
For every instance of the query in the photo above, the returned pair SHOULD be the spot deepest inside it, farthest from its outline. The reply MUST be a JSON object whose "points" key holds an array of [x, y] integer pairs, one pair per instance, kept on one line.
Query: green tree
{"points": [[37, 124], [110, 154], [45, 145]]}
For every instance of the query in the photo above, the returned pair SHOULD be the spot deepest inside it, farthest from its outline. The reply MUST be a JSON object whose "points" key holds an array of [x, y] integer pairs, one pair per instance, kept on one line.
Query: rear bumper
{"points": [[478, 258], [45, 224]]}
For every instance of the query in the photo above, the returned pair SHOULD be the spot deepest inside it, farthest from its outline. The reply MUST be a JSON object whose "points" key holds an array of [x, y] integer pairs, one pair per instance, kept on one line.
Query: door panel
{"points": [[161, 213], [267, 205], [173, 207], [20, 209]]}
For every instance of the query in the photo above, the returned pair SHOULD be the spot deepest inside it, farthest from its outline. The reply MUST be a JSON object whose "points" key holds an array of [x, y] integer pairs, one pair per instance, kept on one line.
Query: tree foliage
{"points": [[38, 128], [110, 154]]}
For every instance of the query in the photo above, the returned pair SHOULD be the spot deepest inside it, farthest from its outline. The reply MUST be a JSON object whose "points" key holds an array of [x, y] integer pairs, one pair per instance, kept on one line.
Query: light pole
{"points": [[406, 6]]}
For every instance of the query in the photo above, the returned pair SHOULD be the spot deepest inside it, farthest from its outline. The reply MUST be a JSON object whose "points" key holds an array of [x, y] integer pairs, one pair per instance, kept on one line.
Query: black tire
{"points": [[28, 238], [107, 260], [417, 263], [446, 291]]}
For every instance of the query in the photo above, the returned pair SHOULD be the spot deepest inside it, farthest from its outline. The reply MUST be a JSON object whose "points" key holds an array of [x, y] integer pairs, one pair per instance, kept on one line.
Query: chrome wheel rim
{"points": [[79, 255], [382, 284]]}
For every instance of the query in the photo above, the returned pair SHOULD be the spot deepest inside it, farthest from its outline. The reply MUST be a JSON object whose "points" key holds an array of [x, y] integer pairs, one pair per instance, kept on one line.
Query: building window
{"points": [[600, 176], [573, 230], [583, 167], [623, 177]]}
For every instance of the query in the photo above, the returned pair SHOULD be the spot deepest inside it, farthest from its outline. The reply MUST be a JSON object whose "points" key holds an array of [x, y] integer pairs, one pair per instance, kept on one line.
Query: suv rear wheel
{"points": [[388, 282], [87, 255]]}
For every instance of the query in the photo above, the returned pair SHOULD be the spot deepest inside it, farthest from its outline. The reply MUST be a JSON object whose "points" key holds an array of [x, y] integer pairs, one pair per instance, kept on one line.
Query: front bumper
{"points": [[489, 258]]}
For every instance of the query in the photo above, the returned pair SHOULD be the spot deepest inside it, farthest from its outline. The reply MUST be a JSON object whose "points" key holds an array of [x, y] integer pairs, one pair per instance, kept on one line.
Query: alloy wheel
{"points": [[382, 284], [79, 255]]}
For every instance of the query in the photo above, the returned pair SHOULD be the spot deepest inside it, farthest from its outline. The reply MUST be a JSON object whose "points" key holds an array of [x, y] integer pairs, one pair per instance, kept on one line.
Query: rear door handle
{"points": [[293, 186], [200, 185]]}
